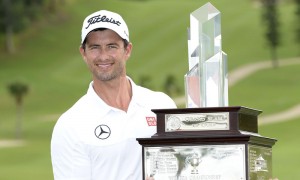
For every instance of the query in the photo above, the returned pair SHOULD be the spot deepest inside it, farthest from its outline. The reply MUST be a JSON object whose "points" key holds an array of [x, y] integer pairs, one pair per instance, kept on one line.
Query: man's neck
{"points": [[116, 93]]}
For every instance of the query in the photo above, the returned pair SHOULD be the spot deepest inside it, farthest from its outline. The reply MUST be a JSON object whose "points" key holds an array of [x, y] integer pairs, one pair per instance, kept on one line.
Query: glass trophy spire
{"points": [[206, 82]]}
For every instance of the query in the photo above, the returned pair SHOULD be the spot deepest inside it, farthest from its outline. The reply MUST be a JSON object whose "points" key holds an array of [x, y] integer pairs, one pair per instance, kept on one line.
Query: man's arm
{"points": [[69, 159]]}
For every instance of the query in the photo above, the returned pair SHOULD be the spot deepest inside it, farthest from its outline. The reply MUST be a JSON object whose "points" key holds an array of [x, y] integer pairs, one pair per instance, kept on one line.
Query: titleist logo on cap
{"points": [[100, 18]]}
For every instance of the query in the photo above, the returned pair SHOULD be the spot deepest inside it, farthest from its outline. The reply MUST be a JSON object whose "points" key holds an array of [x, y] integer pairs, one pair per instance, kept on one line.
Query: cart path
{"points": [[11, 143], [244, 71], [289, 114]]}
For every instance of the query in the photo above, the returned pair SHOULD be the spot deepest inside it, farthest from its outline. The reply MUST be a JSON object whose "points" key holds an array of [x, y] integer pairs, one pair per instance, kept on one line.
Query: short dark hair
{"points": [[102, 29]]}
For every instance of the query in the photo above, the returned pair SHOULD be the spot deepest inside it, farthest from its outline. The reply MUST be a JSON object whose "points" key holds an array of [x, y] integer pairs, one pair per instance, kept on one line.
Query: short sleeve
{"points": [[69, 159]]}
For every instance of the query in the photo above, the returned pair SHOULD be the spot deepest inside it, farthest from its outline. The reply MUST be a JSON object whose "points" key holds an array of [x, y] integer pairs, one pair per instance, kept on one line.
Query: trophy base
{"points": [[208, 154]]}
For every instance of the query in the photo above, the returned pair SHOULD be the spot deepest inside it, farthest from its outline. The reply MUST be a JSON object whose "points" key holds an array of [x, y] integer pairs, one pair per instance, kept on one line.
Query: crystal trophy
{"points": [[206, 82], [208, 139]]}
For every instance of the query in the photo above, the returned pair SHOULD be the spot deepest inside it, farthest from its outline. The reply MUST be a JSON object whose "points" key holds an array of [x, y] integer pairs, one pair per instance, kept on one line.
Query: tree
{"points": [[18, 90], [297, 12], [8, 26], [270, 18], [16, 16], [145, 81], [170, 86]]}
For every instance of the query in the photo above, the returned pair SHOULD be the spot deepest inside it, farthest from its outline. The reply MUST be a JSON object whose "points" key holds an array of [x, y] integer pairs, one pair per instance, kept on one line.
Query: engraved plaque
{"points": [[197, 121], [260, 162], [214, 162], [233, 119]]}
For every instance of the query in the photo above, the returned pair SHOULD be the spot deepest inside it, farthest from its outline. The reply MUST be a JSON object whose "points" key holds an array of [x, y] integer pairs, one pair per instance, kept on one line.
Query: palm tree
{"points": [[297, 13], [18, 90], [9, 43], [271, 19]]}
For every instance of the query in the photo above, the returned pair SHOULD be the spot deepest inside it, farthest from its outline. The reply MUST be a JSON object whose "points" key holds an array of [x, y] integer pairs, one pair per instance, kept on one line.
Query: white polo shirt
{"points": [[94, 141]]}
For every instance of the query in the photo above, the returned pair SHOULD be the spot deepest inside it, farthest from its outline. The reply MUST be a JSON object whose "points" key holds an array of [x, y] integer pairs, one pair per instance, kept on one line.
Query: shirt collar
{"points": [[99, 104]]}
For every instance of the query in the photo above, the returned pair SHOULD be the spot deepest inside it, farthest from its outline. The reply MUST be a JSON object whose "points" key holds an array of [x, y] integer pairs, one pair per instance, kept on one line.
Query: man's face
{"points": [[105, 55]]}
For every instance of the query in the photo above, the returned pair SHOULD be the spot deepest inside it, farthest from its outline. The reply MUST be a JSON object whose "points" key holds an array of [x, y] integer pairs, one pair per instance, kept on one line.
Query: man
{"points": [[96, 138]]}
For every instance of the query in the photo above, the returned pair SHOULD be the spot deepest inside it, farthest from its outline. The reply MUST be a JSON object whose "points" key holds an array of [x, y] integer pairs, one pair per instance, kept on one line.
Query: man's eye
{"points": [[94, 47], [112, 46]]}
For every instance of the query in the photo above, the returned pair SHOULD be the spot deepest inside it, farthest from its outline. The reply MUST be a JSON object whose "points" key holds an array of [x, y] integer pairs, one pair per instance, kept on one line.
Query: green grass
{"points": [[286, 150], [270, 90], [49, 61]]}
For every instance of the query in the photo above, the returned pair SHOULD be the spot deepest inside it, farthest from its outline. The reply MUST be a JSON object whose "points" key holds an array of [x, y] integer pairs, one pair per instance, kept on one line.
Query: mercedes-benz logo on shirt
{"points": [[102, 131]]}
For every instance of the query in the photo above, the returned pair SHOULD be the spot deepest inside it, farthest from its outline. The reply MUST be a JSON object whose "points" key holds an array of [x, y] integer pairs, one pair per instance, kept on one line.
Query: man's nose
{"points": [[103, 54]]}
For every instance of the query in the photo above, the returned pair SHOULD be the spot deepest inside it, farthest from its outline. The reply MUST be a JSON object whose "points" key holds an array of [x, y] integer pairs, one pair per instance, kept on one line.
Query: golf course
{"points": [[48, 61]]}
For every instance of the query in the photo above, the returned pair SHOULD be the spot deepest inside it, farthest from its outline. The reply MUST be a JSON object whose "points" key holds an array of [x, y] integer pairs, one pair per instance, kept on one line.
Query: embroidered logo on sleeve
{"points": [[151, 121]]}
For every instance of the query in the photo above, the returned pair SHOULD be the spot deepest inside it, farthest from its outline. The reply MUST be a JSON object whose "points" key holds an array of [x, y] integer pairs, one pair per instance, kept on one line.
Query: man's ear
{"points": [[82, 52], [128, 50]]}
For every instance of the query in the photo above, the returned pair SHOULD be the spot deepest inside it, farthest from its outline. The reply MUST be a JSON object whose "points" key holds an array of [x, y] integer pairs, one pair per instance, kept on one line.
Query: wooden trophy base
{"points": [[207, 143]]}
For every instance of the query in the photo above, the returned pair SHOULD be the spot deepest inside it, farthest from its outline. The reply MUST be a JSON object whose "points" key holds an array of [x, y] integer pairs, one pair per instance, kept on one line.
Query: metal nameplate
{"points": [[213, 162], [197, 122], [260, 162]]}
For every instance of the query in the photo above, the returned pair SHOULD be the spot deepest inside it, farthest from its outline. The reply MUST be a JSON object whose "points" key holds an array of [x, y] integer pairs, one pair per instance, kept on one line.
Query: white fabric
{"points": [[76, 152], [104, 19]]}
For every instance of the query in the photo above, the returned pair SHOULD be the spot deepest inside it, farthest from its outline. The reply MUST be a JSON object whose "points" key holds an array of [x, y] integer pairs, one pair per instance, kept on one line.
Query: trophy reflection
{"points": [[194, 160]]}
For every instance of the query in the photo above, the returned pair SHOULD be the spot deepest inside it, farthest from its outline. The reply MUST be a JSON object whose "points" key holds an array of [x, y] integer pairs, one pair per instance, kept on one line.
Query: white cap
{"points": [[104, 19]]}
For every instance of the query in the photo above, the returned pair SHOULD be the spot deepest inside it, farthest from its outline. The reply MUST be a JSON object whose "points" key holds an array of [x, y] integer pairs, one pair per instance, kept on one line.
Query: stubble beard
{"points": [[111, 75]]}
